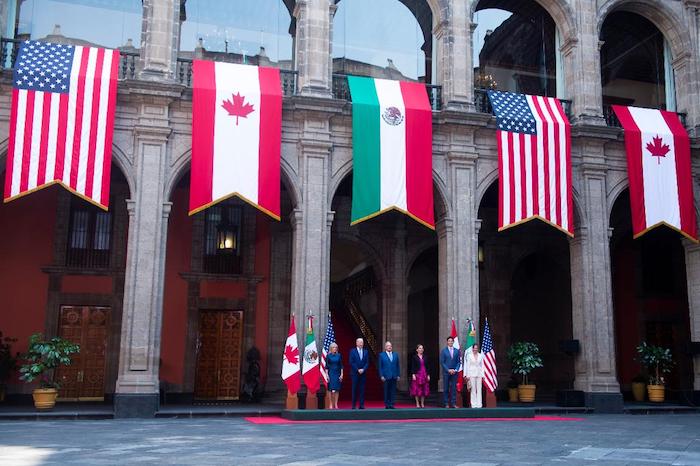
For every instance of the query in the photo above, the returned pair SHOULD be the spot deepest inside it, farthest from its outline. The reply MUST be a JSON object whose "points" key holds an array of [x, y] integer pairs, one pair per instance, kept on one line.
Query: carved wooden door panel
{"points": [[87, 326], [219, 355]]}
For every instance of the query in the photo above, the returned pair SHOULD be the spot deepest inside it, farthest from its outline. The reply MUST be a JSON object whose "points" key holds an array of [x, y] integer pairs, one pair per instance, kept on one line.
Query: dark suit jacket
{"points": [[355, 362], [415, 364], [389, 369], [448, 362]]}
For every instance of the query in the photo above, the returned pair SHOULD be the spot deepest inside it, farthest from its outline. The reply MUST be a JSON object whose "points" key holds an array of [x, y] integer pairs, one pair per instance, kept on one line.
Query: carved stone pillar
{"points": [[160, 39], [313, 46], [692, 270]]}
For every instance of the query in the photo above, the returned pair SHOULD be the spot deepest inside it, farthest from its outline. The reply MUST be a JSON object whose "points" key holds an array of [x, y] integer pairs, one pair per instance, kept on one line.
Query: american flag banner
{"points": [[61, 120], [534, 160], [490, 372], [330, 338]]}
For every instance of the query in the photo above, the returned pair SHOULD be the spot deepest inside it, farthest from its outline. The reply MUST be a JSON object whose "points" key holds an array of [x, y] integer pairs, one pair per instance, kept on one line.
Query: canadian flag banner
{"points": [[658, 166], [236, 135]]}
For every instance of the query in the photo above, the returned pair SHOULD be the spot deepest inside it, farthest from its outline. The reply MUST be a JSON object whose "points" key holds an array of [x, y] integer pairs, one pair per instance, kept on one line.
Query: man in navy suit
{"points": [[359, 362], [449, 360], [390, 373]]}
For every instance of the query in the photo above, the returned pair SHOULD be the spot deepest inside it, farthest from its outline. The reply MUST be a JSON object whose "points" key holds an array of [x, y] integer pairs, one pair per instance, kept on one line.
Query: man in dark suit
{"points": [[449, 360], [390, 373], [359, 362]]}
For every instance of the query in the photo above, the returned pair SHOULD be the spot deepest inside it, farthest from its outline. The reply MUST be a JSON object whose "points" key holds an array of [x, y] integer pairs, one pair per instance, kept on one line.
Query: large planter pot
{"points": [[513, 395], [656, 393], [639, 390], [44, 398], [526, 393]]}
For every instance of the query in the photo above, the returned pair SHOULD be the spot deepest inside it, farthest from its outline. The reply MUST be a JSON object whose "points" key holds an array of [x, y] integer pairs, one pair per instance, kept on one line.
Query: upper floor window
{"points": [[515, 48], [389, 39], [258, 32], [635, 63], [89, 236], [222, 238], [106, 23]]}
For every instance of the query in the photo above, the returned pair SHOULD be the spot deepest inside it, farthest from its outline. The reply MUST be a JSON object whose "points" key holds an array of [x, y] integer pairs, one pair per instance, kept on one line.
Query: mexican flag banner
{"points": [[392, 136], [311, 371]]}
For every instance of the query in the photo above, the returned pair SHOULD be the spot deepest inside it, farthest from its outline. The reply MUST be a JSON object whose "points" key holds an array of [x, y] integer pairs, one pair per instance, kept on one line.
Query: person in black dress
{"points": [[334, 362]]}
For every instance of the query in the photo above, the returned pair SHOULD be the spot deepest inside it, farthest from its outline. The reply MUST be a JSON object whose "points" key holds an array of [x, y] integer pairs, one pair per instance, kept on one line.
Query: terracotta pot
{"points": [[513, 395], [44, 398], [656, 393], [526, 393], [639, 390]]}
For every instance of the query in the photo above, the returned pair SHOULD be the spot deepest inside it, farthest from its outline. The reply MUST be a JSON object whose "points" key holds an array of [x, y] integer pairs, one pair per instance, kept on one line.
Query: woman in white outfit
{"points": [[474, 374]]}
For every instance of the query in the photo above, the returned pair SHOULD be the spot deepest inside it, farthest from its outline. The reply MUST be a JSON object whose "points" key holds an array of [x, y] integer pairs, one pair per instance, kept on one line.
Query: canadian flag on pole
{"points": [[658, 166], [236, 135], [455, 345], [291, 373]]}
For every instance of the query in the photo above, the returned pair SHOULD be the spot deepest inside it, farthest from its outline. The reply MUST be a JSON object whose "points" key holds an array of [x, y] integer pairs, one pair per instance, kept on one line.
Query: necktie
{"points": [[391, 358], [451, 354], [359, 351]]}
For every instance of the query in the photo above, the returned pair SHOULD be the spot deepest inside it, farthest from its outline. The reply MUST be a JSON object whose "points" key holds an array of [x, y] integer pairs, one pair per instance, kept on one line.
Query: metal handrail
{"points": [[612, 121], [483, 104], [341, 91]]}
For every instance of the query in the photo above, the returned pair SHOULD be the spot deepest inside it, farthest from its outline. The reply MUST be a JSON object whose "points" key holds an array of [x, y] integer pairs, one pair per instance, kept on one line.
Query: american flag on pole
{"points": [[490, 372], [61, 120], [534, 160], [330, 338]]}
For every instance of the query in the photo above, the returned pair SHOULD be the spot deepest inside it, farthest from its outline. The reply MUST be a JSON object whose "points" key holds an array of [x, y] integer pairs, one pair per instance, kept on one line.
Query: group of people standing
{"points": [[390, 373]]}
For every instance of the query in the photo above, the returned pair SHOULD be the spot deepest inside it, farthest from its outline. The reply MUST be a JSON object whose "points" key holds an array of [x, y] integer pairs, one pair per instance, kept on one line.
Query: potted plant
{"points": [[42, 358], [513, 389], [658, 361], [525, 357], [8, 362], [639, 387]]}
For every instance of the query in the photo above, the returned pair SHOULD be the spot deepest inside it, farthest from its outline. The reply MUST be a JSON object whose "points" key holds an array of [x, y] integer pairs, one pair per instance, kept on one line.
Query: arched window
{"points": [[389, 39], [106, 23], [258, 32], [635, 63], [515, 48]]}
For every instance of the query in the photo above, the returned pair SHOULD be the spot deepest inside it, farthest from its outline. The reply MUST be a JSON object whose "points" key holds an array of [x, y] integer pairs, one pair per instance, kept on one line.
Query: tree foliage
{"points": [[524, 357], [43, 357], [657, 360]]}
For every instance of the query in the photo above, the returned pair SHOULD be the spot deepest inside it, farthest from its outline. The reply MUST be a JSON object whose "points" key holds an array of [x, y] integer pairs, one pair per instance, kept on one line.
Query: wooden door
{"points": [[219, 355], [87, 326]]}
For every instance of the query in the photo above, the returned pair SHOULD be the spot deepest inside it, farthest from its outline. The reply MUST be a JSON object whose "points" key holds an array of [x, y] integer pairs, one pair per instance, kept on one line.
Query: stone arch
{"points": [[119, 159], [371, 253], [438, 8], [615, 193], [182, 165]]}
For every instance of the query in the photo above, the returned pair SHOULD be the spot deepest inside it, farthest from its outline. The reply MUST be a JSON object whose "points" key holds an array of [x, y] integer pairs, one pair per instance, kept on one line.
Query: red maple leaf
{"points": [[658, 149], [237, 107], [291, 354]]}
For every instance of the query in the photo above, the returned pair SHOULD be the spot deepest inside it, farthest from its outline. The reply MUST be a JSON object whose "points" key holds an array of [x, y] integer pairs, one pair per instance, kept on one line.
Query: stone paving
{"points": [[595, 440]]}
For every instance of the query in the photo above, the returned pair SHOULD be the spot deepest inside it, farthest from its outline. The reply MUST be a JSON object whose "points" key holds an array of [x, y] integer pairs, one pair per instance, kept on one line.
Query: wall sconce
{"points": [[480, 255]]}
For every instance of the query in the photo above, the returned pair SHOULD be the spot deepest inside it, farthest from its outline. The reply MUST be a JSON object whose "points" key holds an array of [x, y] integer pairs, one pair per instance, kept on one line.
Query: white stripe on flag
{"points": [[659, 174], [102, 126], [392, 146], [505, 157], [70, 125], [87, 120], [19, 141], [35, 139], [236, 147], [53, 136], [541, 190], [516, 175], [551, 140], [528, 175], [562, 164]]}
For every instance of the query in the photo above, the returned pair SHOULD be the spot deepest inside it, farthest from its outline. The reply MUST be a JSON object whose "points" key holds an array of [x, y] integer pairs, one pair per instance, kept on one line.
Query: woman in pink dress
{"points": [[420, 380]]}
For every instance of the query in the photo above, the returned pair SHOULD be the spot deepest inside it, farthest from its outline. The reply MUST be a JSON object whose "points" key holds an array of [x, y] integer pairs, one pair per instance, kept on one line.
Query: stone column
{"points": [[160, 39], [138, 381], [454, 57], [692, 270], [313, 46], [591, 296], [395, 294]]}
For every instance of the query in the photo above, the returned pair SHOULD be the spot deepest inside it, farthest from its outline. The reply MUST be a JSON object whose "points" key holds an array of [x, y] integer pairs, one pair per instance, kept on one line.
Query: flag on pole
{"points": [[534, 160], [62, 120], [330, 338], [392, 134], [311, 370], [658, 166], [471, 335], [236, 135], [455, 345], [290, 360], [490, 372]]}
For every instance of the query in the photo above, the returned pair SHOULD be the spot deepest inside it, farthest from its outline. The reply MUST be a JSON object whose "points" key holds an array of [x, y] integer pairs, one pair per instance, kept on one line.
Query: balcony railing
{"points": [[483, 104], [612, 121], [8, 52], [342, 91]]}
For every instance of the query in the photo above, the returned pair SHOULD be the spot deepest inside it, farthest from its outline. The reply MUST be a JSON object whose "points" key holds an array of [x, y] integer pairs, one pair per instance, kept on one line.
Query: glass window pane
{"points": [[79, 230], [107, 23], [364, 44], [247, 31], [103, 223]]}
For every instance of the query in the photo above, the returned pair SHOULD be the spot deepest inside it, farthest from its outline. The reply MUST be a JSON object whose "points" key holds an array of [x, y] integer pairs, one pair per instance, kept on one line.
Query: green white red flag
{"points": [[311, 370], [392, 126], [290, 360], [471, 335]]}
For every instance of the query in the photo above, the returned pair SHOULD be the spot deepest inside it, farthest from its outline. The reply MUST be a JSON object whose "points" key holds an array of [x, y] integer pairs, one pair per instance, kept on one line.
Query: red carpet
{"points": [[275, 420]]}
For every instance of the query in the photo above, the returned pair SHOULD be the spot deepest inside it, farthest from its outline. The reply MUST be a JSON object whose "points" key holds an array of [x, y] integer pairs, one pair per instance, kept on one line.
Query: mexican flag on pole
{"points": [[392, 136], [311, 371], [290, 360], [471, 335], [455, 345]]}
